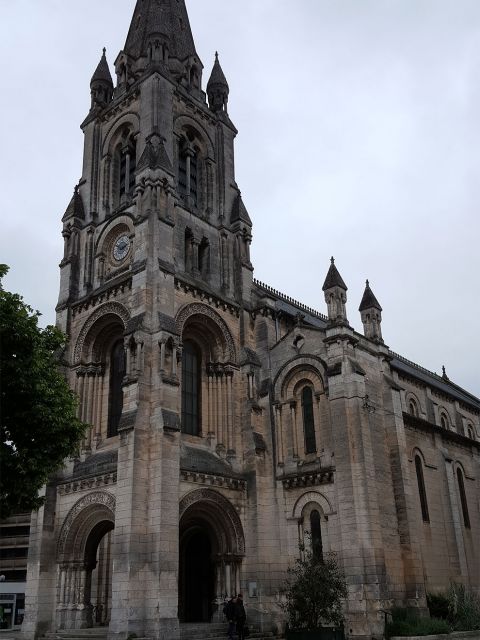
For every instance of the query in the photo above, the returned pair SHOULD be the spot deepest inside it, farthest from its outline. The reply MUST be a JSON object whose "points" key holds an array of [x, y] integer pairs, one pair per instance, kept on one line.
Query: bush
{"points": [[417, 627], [439, 605], [314, 592], [464, 608]]}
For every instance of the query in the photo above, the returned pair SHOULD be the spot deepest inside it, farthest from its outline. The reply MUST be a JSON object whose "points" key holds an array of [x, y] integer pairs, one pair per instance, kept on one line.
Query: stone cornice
{"points": [[303, 479], [213, 480], [103, 294], [432, 429], [82, 484]]}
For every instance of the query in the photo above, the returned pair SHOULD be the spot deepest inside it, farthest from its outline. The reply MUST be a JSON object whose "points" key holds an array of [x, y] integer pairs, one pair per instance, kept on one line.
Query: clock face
{"points": [[121, 248]]}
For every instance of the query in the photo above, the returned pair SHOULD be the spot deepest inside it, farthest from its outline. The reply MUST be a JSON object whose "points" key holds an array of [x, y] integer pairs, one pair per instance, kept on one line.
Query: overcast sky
{"points": [[359, 137]]}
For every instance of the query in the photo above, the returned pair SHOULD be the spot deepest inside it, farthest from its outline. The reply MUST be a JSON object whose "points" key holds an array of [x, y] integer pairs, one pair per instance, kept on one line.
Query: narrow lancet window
{"points": [[191, 385], [308, 420], [117, 373], [316, 533], [421, 489], [463, 499]]}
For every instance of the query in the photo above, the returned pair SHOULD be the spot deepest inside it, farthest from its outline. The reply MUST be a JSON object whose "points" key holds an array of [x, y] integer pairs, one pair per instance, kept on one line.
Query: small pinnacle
{"points": [[104, 50], [216, 55], [75, 191], [332, 260], [368, 283], [444, 370]]}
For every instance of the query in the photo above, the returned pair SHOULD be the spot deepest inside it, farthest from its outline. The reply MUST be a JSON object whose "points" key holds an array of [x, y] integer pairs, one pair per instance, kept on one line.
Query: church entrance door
{"points": [[197, 575]]}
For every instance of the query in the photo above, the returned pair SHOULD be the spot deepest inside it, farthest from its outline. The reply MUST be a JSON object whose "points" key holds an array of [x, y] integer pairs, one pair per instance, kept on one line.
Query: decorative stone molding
{"points": [[225, 514], [100, 499], [214, 480], [105, 293], [202, 310], [89, 483], [110, 308], [308, 478], [315, 497]]}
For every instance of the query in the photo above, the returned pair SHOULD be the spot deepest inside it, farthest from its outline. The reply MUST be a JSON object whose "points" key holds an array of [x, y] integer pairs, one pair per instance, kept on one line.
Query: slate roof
{"points": [[334, 279], [203, 461], [369, 301], [75, 208], [239, 212], [167, 18]]}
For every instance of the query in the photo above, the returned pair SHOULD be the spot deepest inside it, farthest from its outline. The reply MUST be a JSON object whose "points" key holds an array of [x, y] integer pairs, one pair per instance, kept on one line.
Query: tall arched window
{"points": [[124, 169], [191, 389], [316, 533], [308, 420], [117, 373], [421, 488], [463, 498], [443, 421]]}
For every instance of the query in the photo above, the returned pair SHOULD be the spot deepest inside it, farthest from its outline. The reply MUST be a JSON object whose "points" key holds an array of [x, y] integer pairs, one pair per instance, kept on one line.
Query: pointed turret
{"points": [[371, 313], [101, 84], [217, 88], [75, 208], [335, 291]]}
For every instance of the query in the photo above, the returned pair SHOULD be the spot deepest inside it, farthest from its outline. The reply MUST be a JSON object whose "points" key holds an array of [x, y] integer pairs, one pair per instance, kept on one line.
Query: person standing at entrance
{"points": [[229, 612], [240, 617]]}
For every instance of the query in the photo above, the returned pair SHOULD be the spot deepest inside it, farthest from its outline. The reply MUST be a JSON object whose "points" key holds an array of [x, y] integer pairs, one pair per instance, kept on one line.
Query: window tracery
{"points": [[463, 498]]}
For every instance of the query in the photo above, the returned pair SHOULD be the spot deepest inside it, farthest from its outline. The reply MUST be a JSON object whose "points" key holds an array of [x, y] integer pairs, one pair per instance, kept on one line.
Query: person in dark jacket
{"points": [[229, 612], [240, 617]]}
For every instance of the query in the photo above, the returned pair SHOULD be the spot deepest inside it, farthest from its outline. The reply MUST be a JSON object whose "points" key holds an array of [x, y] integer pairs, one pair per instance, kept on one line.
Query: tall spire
{"points": [[166, 20]]}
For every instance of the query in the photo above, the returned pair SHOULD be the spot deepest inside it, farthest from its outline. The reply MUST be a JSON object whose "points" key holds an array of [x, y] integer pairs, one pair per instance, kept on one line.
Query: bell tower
{"points": [[157, 238]]}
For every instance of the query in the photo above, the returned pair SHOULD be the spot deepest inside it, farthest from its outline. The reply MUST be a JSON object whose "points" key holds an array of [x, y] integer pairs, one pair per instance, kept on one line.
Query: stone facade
{"points": [[227, 420]]}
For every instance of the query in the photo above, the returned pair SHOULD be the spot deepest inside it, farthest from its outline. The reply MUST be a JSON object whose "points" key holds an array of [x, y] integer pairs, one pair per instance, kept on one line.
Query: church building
{"points": [[229, 423]]}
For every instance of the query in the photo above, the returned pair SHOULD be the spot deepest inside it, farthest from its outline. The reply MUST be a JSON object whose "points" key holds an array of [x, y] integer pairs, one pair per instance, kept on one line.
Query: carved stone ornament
{"points": [[97, 498], [224, 509], [199, 309], [109, 308]]}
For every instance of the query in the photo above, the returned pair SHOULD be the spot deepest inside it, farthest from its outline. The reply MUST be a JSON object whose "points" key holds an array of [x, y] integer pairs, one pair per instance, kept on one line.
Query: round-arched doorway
{"points": [[85, 557], [212, 548], [99, 565]]}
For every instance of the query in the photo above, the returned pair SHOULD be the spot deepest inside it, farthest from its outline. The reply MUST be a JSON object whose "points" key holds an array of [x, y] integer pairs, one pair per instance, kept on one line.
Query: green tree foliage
{"points": [[37, 409], [314, 592]]}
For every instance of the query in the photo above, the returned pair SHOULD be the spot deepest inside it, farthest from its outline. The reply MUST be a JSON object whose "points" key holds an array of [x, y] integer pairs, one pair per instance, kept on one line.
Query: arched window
{"points": [[308, 420], [316, 533], [191, 389], [117, 373], [412, 408], [124, 169], [463, 498], [470, 432], [421, 488], [188, 171], [443, 421]]}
